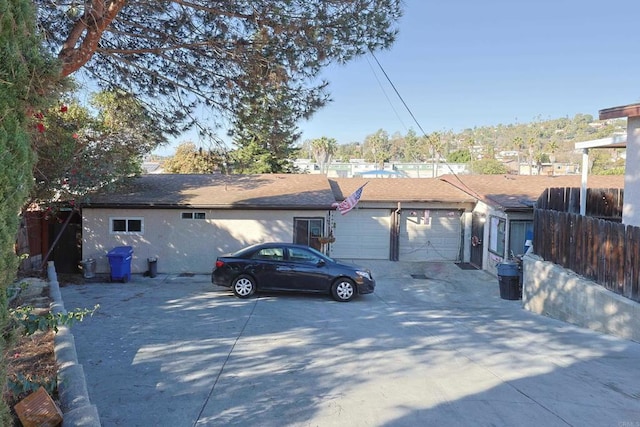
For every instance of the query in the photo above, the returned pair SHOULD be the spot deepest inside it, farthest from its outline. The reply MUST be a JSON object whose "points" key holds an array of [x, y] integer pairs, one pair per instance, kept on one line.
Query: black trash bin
{"points": [[153, 266], [509, 280], [120, 263]]}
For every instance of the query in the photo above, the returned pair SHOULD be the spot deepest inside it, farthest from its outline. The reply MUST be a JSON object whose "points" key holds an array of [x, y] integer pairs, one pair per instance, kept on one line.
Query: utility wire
{"points": [[398, 94], [469, 190], [385, 92]]}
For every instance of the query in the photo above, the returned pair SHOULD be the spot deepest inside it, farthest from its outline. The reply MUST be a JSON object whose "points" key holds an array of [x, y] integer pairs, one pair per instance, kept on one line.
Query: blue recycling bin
{"points": [[120, 263], [509, 280]]}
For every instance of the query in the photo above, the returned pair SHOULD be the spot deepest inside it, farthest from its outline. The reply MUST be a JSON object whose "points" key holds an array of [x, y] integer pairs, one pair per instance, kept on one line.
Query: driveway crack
{"points": [[226, 360]]}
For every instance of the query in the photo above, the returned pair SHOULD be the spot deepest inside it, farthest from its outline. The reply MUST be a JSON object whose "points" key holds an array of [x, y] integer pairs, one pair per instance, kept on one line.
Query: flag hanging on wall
{"points": [[351, 201]]}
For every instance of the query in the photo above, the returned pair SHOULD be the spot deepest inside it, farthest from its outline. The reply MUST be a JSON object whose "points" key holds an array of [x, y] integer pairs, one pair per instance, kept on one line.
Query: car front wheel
{"points": [[244, 286], [343, 290]]}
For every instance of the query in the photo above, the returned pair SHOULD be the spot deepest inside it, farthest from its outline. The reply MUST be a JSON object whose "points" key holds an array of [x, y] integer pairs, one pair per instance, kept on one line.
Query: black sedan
{"points": [[289, 267]]}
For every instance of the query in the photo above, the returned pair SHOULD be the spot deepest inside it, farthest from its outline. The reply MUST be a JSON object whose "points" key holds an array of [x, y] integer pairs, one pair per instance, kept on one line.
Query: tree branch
{"points": [[86, 34]]}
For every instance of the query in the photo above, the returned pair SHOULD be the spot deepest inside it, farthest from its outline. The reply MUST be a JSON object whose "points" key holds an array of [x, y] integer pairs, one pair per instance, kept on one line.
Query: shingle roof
{"points": [[521, 191], [399, 190], [222, 191], [312, 191]]}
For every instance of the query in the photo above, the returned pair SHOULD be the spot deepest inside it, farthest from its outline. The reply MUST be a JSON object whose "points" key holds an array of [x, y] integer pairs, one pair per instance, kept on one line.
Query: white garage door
{"points": [[430, 235], [361, 234]]}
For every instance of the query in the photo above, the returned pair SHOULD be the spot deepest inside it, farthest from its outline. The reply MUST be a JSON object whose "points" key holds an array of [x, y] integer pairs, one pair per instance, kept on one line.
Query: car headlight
{"points": [[365, 274]]}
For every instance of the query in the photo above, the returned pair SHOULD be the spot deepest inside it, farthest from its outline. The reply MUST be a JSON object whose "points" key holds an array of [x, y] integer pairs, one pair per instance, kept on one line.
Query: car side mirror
{"points": [[320, 263]]}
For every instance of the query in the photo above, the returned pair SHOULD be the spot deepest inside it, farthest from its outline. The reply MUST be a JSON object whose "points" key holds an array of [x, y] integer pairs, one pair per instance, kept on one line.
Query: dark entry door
{"points": [[306, 231], [67, 253], [477, 232]]}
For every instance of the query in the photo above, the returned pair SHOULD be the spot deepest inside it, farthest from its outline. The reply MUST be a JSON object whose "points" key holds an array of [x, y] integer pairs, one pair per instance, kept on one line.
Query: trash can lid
{"points": [[121, 251], [508, 268]]}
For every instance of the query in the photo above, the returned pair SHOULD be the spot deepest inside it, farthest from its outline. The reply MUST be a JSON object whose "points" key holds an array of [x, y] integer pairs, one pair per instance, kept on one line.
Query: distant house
{"points": [[380, 173]]}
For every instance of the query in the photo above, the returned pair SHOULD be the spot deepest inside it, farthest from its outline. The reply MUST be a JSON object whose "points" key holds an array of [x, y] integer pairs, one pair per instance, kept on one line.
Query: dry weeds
{"points": [[32, 359]]}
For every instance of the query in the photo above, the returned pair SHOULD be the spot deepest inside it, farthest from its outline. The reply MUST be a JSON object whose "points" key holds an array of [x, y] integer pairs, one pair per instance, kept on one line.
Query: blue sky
{"points": [[468, 63]]}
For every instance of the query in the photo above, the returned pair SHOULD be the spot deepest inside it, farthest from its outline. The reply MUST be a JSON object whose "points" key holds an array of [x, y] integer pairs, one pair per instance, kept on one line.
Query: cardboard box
{"points": [[38, 410]]}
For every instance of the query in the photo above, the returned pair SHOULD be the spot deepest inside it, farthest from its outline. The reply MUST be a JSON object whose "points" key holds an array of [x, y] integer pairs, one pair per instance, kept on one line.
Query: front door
{"points": [[477, 232], [307, 231]]}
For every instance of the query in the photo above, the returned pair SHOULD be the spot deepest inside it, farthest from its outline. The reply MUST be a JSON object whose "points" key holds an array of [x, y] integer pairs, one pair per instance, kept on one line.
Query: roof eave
{"points": [[632, 110], [151, 205]]}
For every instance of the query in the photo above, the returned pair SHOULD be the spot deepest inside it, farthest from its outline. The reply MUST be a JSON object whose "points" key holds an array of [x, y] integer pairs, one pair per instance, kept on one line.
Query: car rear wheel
{"points": [[343, 290], [244, 286]]}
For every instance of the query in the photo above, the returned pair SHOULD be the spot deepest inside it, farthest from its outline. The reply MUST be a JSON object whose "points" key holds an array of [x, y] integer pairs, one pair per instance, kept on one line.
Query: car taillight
{"points": [[219, 263]]}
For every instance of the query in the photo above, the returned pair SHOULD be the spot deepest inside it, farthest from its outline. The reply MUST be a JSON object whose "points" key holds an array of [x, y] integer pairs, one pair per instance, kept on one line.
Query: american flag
{"points": [[351, 201]]}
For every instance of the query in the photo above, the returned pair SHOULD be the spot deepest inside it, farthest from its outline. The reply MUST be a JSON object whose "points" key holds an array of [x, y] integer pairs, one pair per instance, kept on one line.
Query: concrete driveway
{"points": [[434, 345]]}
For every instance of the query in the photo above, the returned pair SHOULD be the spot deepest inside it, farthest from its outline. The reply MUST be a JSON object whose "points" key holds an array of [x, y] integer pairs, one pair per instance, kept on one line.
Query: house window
{"points": [[193, 215], [497, 227], [126, 225], [519, 233]]}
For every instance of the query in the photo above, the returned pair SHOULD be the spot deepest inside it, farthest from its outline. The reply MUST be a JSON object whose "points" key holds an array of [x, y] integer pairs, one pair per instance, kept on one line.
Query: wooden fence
{"points": [[604, 203], [604, 251]]}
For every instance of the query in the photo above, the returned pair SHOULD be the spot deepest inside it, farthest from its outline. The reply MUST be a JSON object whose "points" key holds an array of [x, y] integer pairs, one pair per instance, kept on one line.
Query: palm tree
{"points": [[469, 143], [532, 150], [517, 145], [552, 146], [323, 150], [379, 146], [435, 143]]}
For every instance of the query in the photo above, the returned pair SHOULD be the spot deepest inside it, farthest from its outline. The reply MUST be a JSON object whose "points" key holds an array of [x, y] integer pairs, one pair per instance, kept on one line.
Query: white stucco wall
{"points": [[184, 245], [631, 208], [491, 259]]}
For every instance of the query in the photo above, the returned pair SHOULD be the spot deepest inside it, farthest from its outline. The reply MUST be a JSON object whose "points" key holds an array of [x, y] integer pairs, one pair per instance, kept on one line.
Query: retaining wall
{"points": [[554, 291]]}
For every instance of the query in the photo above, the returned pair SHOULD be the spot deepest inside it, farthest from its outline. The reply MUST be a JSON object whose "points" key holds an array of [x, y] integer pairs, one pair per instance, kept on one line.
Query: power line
{"points": [[398, 94], [385, 93], [420, 127]]}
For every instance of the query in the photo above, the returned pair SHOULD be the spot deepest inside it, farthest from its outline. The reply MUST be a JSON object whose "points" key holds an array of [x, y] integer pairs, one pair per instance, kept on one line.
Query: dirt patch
{"points": [[31, 361]]}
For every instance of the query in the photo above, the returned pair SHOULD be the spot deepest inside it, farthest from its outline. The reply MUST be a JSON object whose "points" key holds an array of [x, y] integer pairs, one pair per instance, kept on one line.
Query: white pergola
{"points": [[616, 141], [631, 207]]}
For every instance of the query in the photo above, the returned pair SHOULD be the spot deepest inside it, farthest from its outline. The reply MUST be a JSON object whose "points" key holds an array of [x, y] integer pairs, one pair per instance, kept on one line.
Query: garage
{"points": [[430, 235], [361, 234]]}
